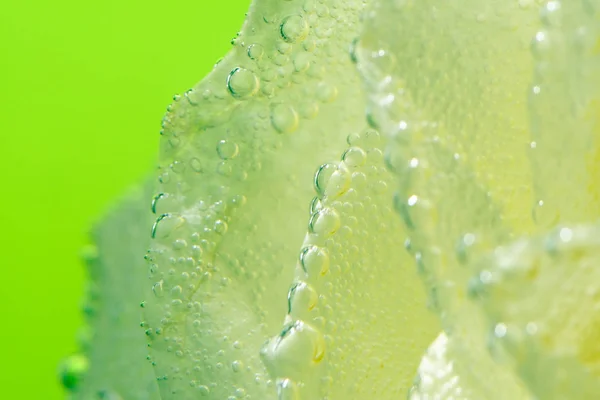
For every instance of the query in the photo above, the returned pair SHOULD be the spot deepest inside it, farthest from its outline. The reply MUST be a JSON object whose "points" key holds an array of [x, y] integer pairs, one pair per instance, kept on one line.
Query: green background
{"points": [[83, 88]]}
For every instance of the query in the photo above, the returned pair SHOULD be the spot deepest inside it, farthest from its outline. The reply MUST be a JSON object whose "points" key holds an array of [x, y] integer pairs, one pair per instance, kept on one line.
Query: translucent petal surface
{"points": [[448, 85], [549, 340], [114, 346], [237, 156], [454, 88], [541, 296], [564, 107], [436, 378]]}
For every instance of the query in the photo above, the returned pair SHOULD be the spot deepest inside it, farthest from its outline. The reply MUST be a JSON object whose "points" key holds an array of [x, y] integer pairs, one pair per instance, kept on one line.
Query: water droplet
{"points": [[242, 83], [227, 149], [294, 28], [73, 370], [314, 260], [301, 297], [284, 118]]}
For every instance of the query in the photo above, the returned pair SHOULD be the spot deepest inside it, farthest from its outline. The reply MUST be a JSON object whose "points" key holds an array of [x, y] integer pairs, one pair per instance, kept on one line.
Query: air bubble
{"points": [[326, 222], [302, 61], [284, 48], [284, 118], [179, 244], [227, 149], [237, 366], [155, 202], [383, 62], [196, 165], [256, 51], [353, 139], [165, 224], [326, 93], [176, 291], [294, 28], [204, 390], [220, 227], [157, 289], [315, 205], [354, 157], [224, 168], [162, 203], [301, 297], [309, 45], [331, 180], [242, 83], [314, 260], [294, 351], [287, 390]]}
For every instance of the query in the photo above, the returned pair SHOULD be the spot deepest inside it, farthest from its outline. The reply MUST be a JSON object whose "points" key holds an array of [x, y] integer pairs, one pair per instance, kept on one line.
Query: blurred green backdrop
{"points": [[83, 88]]}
